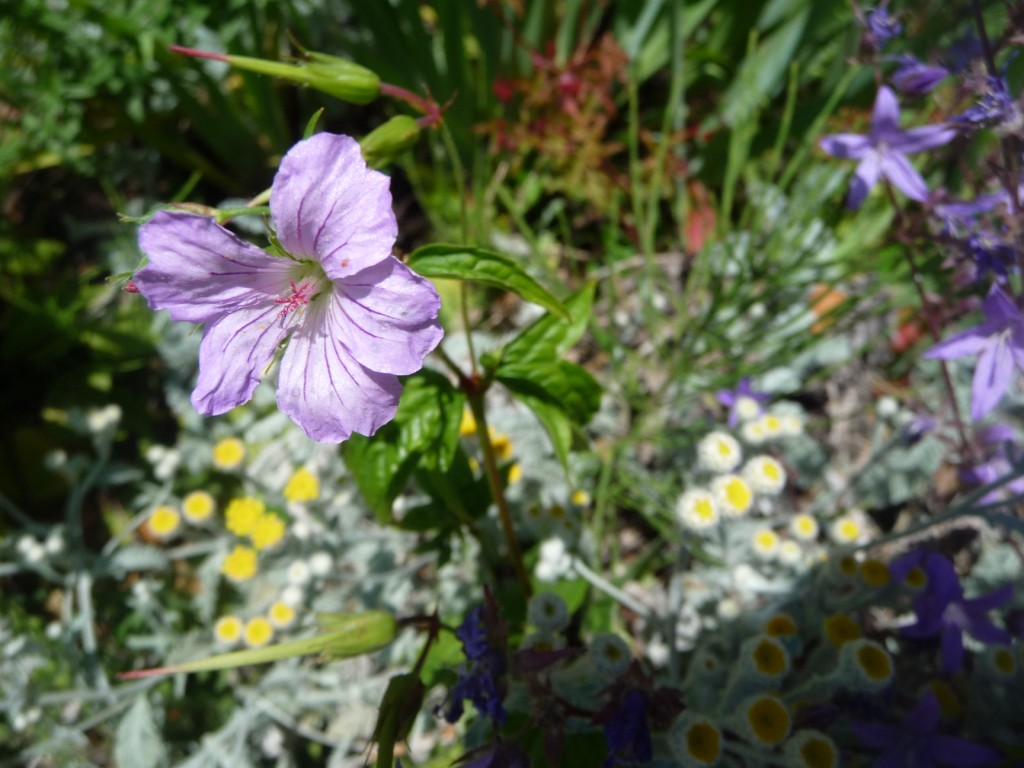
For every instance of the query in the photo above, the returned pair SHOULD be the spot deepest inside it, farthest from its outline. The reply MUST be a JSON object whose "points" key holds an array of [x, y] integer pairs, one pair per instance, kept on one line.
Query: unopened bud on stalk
{"points": [[385, 142], [332, 75]]}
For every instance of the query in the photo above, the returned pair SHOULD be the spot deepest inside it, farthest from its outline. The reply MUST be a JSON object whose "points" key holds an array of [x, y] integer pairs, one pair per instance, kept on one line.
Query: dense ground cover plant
{"points": [[644, 456]]}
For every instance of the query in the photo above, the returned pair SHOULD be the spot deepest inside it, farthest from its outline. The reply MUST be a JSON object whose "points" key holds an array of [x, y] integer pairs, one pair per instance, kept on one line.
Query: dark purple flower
{"points": [[881, 27], [994, 107], [744, 402], [358, 318], [627, 733], [915, 742], [991, 254], [915, 78], [942, 610], [482, 679], [999, 345], [883, 152]]}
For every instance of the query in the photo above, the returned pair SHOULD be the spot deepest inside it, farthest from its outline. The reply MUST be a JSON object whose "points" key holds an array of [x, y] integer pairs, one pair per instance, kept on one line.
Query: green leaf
{"points": [[424, 433], [476, 265], [138, 741], [555, 422], [548, 338], [565, 385]]}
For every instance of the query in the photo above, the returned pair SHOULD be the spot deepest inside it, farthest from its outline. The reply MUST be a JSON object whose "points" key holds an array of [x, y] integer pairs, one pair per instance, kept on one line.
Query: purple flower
{"points": [[999, 345], [357, 317], [941, 609], [482, 679], [1002, 450], [994, 107], [743, 402], [883, 152], [882, 27], [914, 78], [627, 733], [916, 742]]}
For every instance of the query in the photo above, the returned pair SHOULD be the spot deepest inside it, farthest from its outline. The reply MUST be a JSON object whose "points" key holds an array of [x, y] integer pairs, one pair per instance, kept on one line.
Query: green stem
{"points": [[476, 404]]}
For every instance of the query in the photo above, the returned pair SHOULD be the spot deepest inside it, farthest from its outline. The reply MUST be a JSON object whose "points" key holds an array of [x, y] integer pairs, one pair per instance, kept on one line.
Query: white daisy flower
{"points": [[719, 452]]}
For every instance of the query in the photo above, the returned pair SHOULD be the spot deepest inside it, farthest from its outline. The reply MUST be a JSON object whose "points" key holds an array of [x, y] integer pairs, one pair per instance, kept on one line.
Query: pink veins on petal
{"points": [[355, 317]]}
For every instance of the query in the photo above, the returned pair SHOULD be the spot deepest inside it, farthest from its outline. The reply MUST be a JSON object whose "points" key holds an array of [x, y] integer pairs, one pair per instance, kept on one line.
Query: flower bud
{"points": [[332, 75], [385, 142]]}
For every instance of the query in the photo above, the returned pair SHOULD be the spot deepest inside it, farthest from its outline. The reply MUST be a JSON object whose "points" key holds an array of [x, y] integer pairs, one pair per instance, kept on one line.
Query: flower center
{"points": [[300, 296]]}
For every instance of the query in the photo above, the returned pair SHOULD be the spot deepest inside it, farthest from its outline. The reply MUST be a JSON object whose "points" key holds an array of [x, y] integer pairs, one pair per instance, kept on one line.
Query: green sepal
{"points": [[334, 76], [385, 142], [476, 265]]}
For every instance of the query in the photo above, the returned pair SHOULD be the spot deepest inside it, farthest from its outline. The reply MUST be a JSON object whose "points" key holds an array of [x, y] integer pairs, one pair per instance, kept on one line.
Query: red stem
{"points": [[197, 54]]}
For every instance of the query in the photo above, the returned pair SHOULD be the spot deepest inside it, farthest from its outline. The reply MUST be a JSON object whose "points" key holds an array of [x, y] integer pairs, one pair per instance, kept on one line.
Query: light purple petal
{"points": [[864, 178], [992, 377], [1000, 309], [386, 316], [897, 169], [199, 271], [951, 649], [234, 352], [885, 119], [326, 204], [969, 342], [950, 750], [847, 146], [920, 139], [325, 391]]}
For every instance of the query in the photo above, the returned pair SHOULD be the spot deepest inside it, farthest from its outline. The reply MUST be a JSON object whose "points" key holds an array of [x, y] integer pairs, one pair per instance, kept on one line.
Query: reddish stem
{"points": [[197, 54]]}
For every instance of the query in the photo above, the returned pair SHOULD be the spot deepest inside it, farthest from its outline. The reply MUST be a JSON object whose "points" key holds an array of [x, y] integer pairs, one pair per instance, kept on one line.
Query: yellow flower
{"points": [[695, 740], [258, 632], [780, 625], [812, 749], [764, 720], [765, 475], [198, 506], [840, 629], [467, 426], [302, 486], [875, 573], [766, 543], [846, 530], [267, 531], [804, 527], [242, 514], [733, 495], [502, 445], [227, 630], [696, 509], [163, 521], [580, 498], [868, 662], [515, 473], [228, 453], [281, 614], [719, 452], [766, 656], [240, 563]]}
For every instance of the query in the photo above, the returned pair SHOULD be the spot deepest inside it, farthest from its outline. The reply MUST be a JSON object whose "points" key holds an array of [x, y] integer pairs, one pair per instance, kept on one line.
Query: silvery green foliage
{"points": [[137, 741]]}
